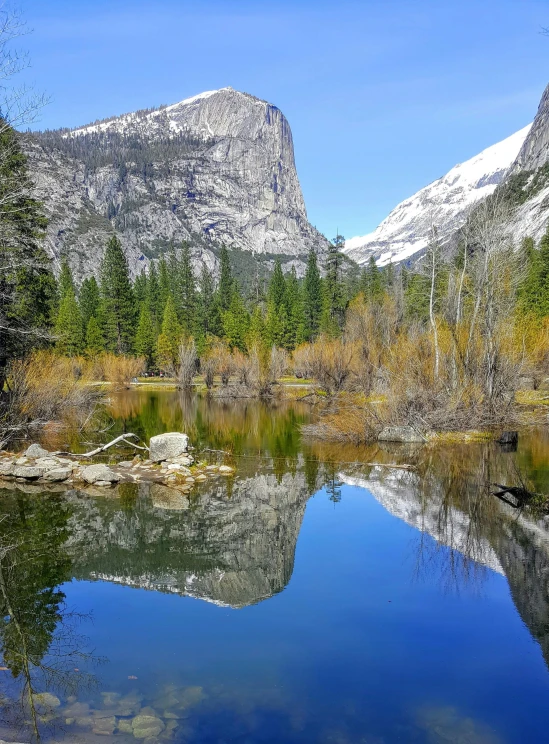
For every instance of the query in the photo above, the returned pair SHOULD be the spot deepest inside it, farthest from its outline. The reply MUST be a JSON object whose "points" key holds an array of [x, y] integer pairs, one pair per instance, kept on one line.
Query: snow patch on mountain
{"points": [[146, 117], [444, 203]]}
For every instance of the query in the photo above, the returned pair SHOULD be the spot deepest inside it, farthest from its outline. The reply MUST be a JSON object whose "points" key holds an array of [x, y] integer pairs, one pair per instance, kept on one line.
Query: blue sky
{"points": [[383, 96]]}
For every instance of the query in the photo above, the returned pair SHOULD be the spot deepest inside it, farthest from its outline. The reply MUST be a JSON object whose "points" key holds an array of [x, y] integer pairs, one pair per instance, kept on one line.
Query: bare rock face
{"points": [[534, 153], [219, 169]]}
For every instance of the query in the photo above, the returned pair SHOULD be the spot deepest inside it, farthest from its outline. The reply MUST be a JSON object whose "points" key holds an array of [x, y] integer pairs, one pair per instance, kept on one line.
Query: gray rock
{"points": [[400, 434], [7, 468], [58, 475], [168, 446], [238, 184], [35, 451], [47, 463], [98, 473], [226, 470], [27, 472]]}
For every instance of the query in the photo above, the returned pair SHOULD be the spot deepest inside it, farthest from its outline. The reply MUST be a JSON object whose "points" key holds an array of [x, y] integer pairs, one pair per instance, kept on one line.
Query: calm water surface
{"points": [[314, 597]]}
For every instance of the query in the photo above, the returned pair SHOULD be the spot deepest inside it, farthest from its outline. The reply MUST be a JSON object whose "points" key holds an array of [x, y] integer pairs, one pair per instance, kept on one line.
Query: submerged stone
{"points": [[144, 726], [104, 726], [125, 726], [45, 701]]}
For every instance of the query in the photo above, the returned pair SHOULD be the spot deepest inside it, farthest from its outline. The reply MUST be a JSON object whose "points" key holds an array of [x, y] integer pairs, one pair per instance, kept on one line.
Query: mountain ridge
{"points": [[216, 168], [445, 203]]}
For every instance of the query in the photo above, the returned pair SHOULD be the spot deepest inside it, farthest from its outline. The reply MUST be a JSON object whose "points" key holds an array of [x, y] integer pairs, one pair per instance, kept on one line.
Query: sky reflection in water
{"points": [[308, 601]]}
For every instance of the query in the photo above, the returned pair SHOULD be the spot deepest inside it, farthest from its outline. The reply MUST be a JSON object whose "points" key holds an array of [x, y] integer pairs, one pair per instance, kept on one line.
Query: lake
{"points": [[316, 596]]}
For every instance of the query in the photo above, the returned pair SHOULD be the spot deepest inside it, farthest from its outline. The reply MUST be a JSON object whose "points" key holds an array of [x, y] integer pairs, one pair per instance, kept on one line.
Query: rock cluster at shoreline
{"points": [[169, 463]]}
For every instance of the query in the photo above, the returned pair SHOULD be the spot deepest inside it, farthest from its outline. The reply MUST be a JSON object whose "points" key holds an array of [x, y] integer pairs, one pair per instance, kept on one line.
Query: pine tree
{"points": [[68, 325], [140, 288], [27, 284], [207, 310], [170, 337], [294, 308], [256, 331], [187, 289], [312, 298], [334, 302], [118, 303], [372, 281], [145, 337], [236, 323], [95, 343], [65, 282], [154, 296], [534, 291], [164, 285], [88, 299], [226, 281], [276, 293], [275, 324]]}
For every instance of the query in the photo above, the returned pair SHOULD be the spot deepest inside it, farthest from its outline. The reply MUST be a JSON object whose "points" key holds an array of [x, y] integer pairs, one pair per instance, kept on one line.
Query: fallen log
{"points": [[122, 438]]}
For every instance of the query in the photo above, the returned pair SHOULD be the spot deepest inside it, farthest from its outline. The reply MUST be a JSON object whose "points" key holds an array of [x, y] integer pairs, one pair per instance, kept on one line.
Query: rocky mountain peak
{"points": [[534, 152], [215, 168]]}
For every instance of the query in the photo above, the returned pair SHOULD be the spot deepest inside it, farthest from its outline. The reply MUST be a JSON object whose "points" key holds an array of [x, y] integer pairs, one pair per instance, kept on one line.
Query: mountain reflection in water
{"points": [[277, 670]]}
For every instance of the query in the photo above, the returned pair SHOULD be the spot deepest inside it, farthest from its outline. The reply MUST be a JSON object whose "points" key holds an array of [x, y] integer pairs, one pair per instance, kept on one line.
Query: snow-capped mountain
{"points": [[444, 204], [216, 168]]}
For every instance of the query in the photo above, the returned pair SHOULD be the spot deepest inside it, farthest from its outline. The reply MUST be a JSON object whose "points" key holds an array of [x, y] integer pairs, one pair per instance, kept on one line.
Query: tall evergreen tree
{"points": [[145, 337], [95, 342], [167, 345], [27, 284], [334, 301], [372, 281], [154, 296], [187, 290], [89, 298], [236, 323], [277, 286], [207, 311], [256, 331], [294, 308], [226, 281], [118, 303], [312, 298], [164, 285], [68, 325], [534, 290], [140, 288], [65, 282]]}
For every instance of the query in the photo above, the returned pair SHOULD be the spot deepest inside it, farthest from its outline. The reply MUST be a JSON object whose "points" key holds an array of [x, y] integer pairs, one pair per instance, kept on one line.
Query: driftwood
{"points": [[521, 494], [122, 438]]}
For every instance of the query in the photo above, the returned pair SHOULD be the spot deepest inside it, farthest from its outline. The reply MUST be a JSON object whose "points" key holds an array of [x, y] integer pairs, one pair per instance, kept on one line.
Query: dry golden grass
{"points": [[118, 370], [46, 388]]}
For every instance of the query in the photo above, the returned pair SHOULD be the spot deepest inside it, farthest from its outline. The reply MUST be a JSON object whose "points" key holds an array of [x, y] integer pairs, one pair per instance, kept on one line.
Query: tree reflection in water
{"points": [[39, 638]]}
